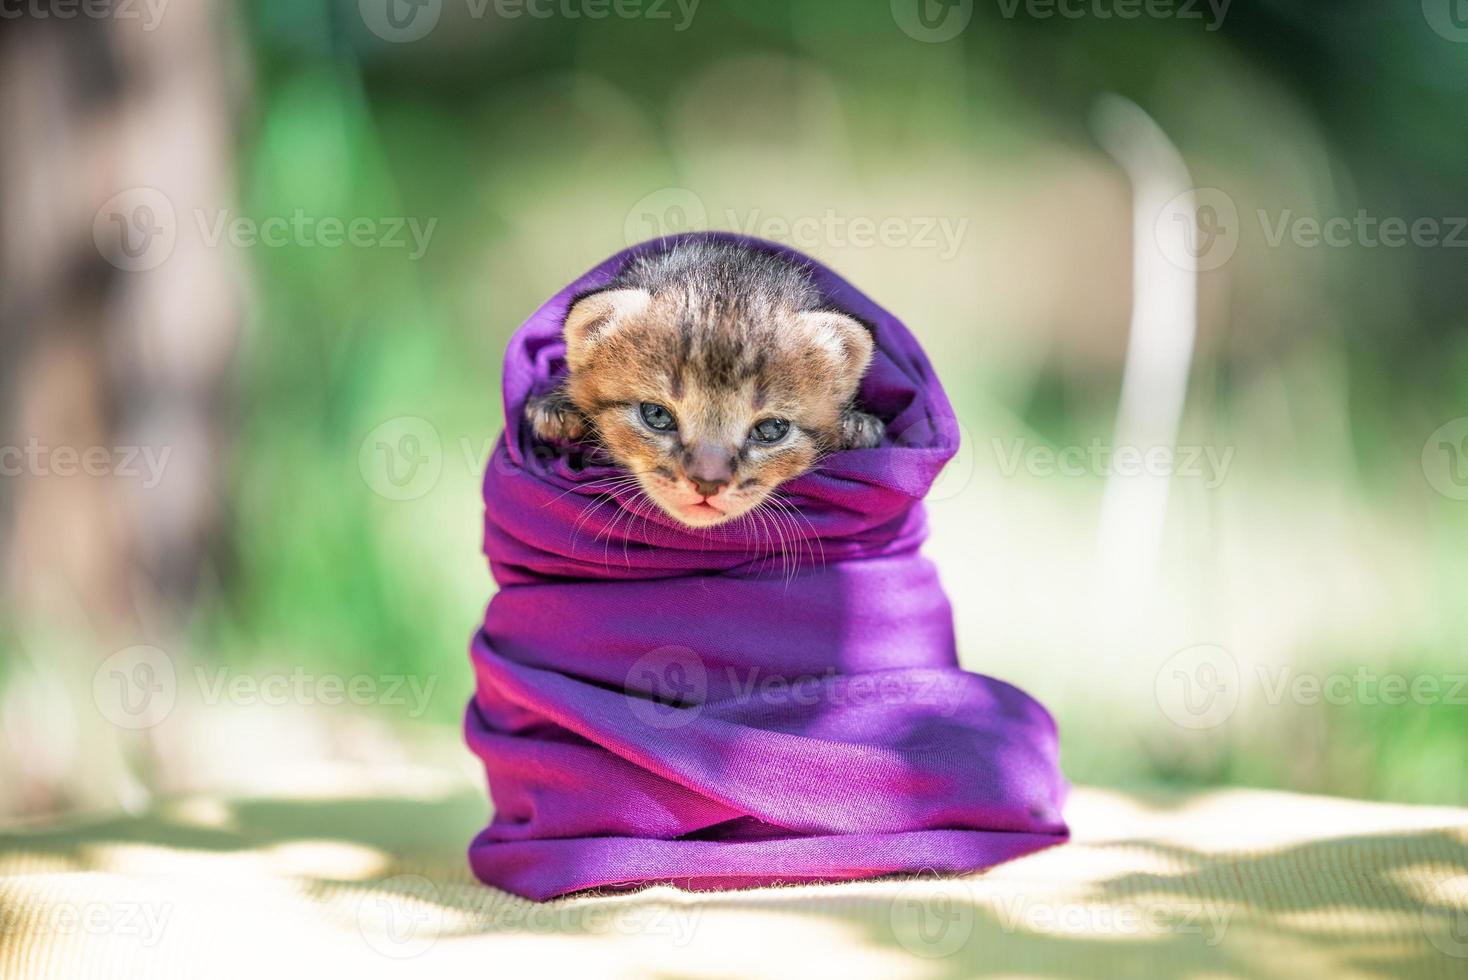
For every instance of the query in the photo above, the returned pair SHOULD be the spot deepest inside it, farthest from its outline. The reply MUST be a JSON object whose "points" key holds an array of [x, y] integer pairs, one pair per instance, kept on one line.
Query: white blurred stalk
{"points": [[1159, 352]]}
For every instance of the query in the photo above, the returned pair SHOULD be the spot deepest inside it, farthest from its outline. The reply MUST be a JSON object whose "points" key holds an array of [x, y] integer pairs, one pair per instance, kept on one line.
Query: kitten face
{"points": [[711, 416], [710, 375]]}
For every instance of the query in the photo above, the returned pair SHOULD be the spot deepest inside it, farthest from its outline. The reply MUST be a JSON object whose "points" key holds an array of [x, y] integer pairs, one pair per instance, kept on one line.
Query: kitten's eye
{"points": [[657, 417], [770, 430]]}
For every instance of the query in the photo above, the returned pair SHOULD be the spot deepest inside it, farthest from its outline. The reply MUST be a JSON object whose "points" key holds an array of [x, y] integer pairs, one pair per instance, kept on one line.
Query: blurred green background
{"points": [[526, 148]]}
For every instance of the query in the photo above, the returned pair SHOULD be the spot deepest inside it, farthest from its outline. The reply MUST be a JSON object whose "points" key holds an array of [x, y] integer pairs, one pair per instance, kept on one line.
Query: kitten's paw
{"points": [[860, 430], [554, 419]]}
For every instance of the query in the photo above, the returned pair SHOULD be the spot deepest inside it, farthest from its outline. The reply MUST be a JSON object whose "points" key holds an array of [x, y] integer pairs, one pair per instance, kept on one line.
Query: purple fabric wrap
{"points": [[659, 704]]}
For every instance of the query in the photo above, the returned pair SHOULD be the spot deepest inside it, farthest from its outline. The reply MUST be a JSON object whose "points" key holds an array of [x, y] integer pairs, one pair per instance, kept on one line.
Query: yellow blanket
{"points": [[364, 875]]}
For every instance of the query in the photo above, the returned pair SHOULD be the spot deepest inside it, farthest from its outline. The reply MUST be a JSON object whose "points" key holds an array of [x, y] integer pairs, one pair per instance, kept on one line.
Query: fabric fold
{"points": [[766, 700]]}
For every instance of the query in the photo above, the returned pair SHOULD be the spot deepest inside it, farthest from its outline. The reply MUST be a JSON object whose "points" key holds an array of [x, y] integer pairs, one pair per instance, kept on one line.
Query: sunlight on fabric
{"points": [[336, 860], [372, 885]]}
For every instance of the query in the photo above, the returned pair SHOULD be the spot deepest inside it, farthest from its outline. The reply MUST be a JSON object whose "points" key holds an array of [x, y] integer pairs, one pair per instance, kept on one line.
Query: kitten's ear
{"points": [[595, 316], [849, 342]]}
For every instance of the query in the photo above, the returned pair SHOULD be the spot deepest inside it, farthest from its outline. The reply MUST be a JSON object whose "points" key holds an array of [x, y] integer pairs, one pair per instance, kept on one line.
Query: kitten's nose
{"points": [[708, 488], [709, 468]]}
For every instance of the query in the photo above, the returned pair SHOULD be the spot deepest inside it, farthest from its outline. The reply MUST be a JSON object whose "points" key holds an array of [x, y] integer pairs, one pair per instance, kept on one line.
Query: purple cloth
{"points": [[660, 704]]}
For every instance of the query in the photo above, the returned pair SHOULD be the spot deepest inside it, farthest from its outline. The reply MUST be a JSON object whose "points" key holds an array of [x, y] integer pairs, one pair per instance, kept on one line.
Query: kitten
{"points": [[711, 373]]}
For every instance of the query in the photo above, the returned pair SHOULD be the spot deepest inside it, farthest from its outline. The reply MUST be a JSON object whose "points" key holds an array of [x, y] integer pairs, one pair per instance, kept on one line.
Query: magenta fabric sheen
{"points": [[658, 704]]}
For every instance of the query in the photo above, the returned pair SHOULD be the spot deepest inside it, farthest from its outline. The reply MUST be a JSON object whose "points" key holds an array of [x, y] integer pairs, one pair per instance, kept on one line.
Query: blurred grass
{"points": [[529, 142]]}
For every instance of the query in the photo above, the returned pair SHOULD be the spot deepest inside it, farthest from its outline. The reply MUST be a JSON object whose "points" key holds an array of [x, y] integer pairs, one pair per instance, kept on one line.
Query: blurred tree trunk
{"points": [[117, 326]]}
